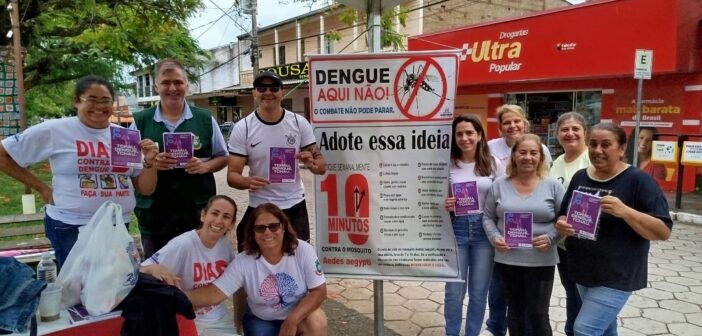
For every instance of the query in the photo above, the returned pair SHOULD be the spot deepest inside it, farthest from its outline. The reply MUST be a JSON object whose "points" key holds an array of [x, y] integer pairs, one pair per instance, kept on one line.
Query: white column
{"points": [[298, 36], [276, 47], [322, 38]]}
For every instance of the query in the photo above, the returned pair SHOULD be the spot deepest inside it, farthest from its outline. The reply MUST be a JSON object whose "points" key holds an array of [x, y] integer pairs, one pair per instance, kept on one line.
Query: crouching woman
{"points": [[281, 275]]}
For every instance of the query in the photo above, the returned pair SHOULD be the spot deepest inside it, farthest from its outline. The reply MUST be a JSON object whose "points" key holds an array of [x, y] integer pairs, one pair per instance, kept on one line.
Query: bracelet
{"points": [[148, 165]]}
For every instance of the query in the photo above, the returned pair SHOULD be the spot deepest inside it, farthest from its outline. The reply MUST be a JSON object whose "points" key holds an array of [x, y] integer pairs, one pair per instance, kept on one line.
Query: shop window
{"points": [[281, 55], [544, 108]]}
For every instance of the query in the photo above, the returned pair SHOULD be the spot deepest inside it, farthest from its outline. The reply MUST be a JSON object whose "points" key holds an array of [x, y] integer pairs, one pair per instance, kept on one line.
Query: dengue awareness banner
{"points": [[383, 124]]}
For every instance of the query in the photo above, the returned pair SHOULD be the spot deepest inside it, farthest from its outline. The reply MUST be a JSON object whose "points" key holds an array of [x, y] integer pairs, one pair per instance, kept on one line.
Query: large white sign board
{"points": [[383, 124]]}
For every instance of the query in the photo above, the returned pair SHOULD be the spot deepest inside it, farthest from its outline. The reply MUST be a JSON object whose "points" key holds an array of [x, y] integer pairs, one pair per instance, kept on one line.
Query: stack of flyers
{"points": [[179, 146], [281, 168], [518, 229], [124, 148], [79, 315], [584, 214], [466, 195]]}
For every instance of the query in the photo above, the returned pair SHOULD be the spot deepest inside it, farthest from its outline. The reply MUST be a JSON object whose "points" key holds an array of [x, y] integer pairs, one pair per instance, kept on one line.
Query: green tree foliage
{"points": [[67, 39], [388, 36]]}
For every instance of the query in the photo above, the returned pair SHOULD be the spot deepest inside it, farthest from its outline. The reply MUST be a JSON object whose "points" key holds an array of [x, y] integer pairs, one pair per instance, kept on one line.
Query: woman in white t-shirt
{"points": [[281, 275], [570, 128], [196, 258], [79, 151], [512, 125], [472, 170]]}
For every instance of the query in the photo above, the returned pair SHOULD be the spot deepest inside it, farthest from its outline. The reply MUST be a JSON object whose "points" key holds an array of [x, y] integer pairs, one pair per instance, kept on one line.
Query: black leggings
{"points": [[527, 291]]}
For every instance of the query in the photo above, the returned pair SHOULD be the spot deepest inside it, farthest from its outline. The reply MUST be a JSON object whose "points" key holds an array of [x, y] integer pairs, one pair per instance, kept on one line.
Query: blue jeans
{"points": [[254, 326], [475, 261], [598, 313], [572, 298], [62, 236], [497, 320]]}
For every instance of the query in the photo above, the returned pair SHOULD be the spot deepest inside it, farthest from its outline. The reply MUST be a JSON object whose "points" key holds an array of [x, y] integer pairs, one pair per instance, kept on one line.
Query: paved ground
{"points": [[672, 305]]}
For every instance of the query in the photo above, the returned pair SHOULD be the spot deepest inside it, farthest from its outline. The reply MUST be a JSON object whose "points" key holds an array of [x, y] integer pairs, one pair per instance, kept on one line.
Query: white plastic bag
{"points": [[103, 265]]}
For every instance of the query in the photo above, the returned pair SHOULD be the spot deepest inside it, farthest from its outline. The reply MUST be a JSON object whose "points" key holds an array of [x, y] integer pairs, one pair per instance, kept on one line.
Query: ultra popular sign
{"points": [[383, 88]]}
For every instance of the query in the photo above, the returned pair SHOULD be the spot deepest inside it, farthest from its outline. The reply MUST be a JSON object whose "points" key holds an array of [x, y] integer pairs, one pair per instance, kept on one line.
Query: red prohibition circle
{"points": [[428, 61]]}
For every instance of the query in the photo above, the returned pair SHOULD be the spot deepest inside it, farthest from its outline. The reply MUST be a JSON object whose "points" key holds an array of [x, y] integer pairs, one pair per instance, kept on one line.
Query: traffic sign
{"points": [[643, 63]]}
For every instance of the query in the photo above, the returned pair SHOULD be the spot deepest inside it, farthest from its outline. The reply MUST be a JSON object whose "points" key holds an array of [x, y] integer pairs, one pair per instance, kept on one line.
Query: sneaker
{"points": [[486, 333]]}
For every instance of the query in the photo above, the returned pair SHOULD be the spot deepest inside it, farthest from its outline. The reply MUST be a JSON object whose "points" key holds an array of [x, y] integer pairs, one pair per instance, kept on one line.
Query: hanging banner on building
{"points": [[9, 111], [383, 124]]}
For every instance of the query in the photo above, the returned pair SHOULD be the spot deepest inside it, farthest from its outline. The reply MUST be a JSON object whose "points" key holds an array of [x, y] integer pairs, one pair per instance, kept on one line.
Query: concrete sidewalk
{"points": [[672, 305]]}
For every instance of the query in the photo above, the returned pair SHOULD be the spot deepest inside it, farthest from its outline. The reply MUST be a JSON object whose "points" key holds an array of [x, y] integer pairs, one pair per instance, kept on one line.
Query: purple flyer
{"points": [[124, 148], [584, 214], [466, 195], [179, 146], [518, 227], [282, 165]]}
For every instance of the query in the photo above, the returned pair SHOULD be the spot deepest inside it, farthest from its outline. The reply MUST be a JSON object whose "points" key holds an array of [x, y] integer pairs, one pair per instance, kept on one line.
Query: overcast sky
{"points": [[212, 29]]}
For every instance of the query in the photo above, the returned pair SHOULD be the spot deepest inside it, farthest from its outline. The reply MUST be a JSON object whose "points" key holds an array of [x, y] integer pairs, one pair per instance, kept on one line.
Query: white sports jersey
{"points": [[253, 138]]}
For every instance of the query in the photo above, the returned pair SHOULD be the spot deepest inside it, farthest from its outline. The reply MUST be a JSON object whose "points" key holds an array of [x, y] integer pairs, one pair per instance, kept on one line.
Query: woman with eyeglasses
{"points": [[281, 275], [196, 258], [78, 150]]}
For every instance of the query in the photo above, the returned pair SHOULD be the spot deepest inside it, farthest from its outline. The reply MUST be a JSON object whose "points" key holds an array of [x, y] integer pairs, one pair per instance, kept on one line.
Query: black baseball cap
{"points": [[267, 74]]}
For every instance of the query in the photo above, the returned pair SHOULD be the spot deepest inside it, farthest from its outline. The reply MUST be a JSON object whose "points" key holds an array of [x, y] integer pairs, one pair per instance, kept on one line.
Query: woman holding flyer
{"points": [[610, 260], [570, 132], [471, 174], [519, 213], [78, 150], [196, 258], [512, 125]]}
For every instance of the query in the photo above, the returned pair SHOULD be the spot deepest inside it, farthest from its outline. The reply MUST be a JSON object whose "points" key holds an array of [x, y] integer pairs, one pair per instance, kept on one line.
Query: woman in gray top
{"points": [[519, 217]]}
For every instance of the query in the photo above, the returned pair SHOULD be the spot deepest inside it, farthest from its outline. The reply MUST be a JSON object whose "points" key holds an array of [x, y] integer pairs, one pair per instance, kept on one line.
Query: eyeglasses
{"points": [[95, 101], [271, 88], [273, 227]]}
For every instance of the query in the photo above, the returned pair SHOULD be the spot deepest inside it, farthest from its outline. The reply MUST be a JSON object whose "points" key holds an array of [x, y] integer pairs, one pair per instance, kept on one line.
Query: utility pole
{"points": [[28, 205], [254, 36]]}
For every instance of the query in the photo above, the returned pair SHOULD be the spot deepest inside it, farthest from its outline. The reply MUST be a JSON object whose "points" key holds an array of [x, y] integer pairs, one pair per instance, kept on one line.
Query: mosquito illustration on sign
{"points": [[420, 88]]}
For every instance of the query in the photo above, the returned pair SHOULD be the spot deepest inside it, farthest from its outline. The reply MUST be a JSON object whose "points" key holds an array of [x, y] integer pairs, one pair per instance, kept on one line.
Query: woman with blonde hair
{"points": [[512, 125], [527, 269]]}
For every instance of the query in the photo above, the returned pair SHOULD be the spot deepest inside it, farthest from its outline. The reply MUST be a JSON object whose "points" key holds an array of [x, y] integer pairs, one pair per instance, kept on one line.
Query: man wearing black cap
{"points": [[273, 133]]}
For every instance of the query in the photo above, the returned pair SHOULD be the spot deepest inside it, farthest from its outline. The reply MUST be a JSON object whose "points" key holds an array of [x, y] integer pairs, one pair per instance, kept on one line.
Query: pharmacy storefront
{"points": [[581, 58]]}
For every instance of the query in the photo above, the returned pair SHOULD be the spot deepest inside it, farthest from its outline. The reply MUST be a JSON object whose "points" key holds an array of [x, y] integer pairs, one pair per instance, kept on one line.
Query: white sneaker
{"points": [[486, 333]]}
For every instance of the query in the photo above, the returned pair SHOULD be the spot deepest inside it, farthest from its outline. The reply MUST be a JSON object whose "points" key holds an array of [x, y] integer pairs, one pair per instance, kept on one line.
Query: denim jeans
{"points": [[598, 314], [572, 297], [497, 319], [19, 295], [254, 326], [62, 237], [475, 261], [528, 293]]}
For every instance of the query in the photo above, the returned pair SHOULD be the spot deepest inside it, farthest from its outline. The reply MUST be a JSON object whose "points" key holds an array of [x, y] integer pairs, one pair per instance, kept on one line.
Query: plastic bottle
{"points": [[46, 270]]}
